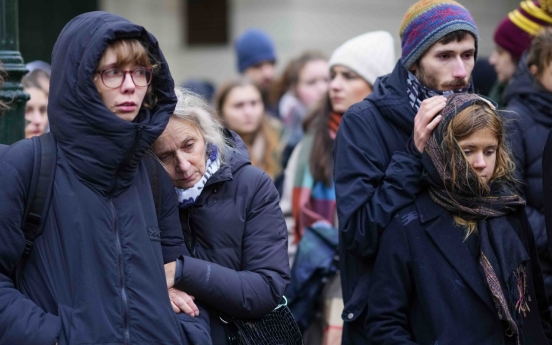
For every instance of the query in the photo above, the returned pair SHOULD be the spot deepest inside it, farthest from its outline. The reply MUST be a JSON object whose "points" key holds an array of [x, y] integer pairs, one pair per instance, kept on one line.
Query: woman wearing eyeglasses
{"points": [[96, 274]]}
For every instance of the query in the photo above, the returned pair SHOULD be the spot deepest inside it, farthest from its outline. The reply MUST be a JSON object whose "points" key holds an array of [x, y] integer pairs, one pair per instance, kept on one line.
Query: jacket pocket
{"points": [[154, 234]]}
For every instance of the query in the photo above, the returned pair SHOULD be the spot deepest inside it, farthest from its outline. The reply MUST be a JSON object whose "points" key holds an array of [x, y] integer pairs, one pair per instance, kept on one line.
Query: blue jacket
{"points": [[241, 266], [428, 287], [374, 178], [95, 275], [529, 110]]}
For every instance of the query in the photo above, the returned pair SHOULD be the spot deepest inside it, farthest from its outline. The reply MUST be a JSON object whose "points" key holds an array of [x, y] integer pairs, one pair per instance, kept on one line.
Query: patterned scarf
{"points": [[188, 197], [312, 201], [417, 92], [502, 256]]}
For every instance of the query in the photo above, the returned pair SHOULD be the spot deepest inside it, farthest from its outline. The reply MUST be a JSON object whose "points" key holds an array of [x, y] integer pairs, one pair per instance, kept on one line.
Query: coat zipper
{"points": [[121, 274], [124, 297]]}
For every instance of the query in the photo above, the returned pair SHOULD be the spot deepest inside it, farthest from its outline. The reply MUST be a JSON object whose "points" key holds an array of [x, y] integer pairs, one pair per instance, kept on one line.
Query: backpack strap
{"points": [[153, 175], [45, 159]]}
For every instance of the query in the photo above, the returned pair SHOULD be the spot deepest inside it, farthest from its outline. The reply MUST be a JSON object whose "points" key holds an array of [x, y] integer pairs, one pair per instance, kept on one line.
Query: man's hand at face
{"points": [[426, 121], [181, 301]]}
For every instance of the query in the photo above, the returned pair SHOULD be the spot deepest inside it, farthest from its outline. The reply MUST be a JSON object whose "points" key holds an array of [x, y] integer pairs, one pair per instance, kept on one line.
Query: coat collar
{"points": [[448, 240]]}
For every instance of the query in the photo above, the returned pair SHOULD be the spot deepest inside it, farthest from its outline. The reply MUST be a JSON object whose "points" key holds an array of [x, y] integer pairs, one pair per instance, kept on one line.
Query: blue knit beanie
{"points": [[252, 47]]}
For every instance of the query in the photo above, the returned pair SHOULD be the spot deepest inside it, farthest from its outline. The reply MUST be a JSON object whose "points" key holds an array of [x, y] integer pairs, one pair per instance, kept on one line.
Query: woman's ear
{"points": [[534, 70]]}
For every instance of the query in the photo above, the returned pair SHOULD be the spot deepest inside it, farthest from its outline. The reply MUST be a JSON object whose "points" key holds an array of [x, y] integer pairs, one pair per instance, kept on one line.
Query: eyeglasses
{"points": [[114, 77]]}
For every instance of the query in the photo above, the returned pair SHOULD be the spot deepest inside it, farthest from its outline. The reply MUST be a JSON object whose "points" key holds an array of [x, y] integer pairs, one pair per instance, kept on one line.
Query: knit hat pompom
{"points": [[252, 47], [516, 31], [370, 55], [427, 21], [546, 5]]}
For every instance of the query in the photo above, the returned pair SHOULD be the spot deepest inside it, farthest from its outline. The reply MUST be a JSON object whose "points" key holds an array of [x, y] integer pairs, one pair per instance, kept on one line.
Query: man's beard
{"points": [[431, 82]]}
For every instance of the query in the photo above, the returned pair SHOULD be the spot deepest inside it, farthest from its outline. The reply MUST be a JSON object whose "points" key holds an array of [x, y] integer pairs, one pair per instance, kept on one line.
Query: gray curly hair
{"points": [[192, 108]]}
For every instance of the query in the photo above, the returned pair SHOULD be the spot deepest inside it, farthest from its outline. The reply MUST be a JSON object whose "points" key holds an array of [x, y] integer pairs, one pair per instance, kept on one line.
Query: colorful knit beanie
{"points": [[252, 47], [427, 21], [516, 31]]}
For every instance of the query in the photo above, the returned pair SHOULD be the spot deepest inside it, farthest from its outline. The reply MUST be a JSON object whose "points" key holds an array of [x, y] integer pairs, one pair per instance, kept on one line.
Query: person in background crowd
{"points": [[459, 265], [483, 76], [377, 151], [529, 97], [95, 275], [40, 72], [547, 188], [229, 216], [240, 107], [36, 116], [256, 57], [512, 37], [303, 83], [204, 88], [309, 189]]}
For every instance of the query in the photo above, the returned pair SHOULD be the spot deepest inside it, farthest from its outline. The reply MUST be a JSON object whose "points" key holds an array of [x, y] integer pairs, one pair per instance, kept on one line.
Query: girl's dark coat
{"points": [[428, 287]]}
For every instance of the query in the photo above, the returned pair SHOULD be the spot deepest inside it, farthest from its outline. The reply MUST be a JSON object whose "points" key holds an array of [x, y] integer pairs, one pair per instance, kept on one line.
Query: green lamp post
{"points": [[12, 123]]}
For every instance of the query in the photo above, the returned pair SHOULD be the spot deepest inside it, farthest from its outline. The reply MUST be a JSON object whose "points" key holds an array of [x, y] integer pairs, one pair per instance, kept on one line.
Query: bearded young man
{"points": [[377, 151]]}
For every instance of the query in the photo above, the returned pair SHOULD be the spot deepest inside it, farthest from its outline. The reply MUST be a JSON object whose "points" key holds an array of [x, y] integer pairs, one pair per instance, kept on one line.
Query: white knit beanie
{"points": [[370, 55]]}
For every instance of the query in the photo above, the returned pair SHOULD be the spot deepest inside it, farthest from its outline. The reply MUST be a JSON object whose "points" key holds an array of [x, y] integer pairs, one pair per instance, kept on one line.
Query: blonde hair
{"points": [[476, 117]]}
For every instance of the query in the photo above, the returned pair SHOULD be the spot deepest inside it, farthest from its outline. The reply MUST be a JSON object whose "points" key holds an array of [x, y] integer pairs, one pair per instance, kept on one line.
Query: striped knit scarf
{"points": [[502, 256]]}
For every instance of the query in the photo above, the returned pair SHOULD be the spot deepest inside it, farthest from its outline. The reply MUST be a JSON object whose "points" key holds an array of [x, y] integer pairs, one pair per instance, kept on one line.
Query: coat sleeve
{"points": [[21, 320], [172, 239], [389, 299], [257, 288], [368, 188], [197, 329]]}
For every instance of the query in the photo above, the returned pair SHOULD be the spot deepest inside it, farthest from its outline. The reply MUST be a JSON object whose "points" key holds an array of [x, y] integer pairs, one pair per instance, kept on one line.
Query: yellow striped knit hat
{"points": [[516, 31]]}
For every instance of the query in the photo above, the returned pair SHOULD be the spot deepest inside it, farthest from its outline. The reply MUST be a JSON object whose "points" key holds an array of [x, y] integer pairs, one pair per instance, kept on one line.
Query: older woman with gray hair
{"points": [[230, 217]]}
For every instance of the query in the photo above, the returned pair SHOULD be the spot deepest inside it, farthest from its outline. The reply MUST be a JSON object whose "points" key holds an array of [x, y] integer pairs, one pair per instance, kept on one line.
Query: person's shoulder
{"points": [[19, 155], [251, 174]]}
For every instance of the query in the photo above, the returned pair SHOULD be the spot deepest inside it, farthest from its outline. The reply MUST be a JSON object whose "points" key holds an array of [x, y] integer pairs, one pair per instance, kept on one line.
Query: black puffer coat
{"points": [[529, 111], [241, 266]]}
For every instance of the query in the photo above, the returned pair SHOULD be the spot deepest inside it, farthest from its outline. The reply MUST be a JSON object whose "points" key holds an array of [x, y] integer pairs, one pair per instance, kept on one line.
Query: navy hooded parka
{"points": [[95, 275], [374, 177]]}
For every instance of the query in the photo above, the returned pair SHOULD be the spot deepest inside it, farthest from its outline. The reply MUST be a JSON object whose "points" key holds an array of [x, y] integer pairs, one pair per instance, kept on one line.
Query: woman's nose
{"points": [[479, 162], [128, 83], [183, 164], [336, 83]]}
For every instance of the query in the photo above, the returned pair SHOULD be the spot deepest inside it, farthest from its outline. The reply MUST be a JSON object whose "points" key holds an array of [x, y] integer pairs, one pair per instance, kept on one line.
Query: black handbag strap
{"points": [[226, 319]]}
